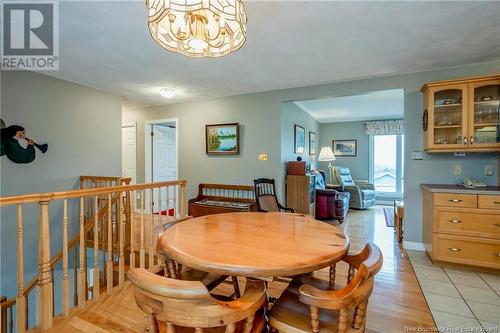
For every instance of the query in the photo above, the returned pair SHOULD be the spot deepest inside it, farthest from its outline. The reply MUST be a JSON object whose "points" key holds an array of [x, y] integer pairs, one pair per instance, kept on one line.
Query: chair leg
{"points": [[360, 316], [314, 311], [236, 286], [342, 322]]}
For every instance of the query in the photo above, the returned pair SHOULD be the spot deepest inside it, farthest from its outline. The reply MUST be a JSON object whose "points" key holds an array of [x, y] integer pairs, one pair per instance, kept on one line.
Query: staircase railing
{"points": [[115, 222]]}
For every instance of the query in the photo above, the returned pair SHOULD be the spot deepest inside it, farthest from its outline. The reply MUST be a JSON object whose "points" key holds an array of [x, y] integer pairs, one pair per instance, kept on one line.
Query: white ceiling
{"points": [[377, 105], [106, 45]]}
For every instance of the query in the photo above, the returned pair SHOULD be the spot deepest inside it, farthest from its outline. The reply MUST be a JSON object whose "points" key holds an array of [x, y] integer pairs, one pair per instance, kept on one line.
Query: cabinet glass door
{"points": [[485, 119], [448, 117]]}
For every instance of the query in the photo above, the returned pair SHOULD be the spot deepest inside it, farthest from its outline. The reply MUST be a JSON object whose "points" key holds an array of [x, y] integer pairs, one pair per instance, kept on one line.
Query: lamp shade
{"points": [[326, 155]]}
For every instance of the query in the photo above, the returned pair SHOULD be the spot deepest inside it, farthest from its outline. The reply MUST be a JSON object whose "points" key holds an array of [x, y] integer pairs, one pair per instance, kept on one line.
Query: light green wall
{"points": [[82, 128], [259, 133], [260, 114], [292, 115], [352, 130]]}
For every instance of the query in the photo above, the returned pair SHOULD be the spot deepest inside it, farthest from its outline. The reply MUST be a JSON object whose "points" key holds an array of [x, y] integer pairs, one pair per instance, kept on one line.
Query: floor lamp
{"points": [[326, 155]]}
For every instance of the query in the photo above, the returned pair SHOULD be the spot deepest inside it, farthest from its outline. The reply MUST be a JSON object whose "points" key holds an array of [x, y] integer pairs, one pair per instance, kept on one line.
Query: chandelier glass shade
{"points": [[198, 28]]}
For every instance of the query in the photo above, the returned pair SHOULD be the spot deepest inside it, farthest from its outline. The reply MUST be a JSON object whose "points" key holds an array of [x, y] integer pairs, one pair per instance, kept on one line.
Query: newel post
{"points": [[45, 276]]}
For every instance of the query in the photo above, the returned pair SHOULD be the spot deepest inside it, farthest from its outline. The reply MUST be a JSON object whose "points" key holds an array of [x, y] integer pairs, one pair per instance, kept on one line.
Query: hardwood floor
{"points": [[396, 305]]}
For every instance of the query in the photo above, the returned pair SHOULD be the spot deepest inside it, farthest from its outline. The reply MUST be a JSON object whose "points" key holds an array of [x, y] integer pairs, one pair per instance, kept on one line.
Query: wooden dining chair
{"points": [[310, 309], [175, 270], [176, 306], [265, 195]]}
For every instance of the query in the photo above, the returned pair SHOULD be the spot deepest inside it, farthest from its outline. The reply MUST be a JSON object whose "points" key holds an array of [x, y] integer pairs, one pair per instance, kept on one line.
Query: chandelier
{"points": [[198, 28]]}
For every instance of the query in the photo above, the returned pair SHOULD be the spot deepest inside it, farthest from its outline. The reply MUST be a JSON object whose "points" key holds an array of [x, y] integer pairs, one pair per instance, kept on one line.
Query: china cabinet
{"points": [[462, 115]]}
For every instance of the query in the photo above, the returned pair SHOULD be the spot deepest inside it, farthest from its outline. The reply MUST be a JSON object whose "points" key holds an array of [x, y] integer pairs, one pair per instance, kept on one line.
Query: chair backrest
{"points": [[265, 195], [366, 264], [188, 303], [343, 176]]}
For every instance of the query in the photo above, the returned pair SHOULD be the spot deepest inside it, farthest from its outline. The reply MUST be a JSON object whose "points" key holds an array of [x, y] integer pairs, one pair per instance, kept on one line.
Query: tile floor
{"points": [[460, 300]]}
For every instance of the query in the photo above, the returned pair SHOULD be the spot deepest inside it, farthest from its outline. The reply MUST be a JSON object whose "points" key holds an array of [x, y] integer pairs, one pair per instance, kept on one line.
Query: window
{"points": [[387, 165]]}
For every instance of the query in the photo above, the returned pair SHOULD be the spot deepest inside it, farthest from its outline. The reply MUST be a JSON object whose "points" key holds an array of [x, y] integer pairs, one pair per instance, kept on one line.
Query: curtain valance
{"points": [[385, 127]]}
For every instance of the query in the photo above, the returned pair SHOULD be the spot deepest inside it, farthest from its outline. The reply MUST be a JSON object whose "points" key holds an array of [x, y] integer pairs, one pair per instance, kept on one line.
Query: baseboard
{"points": [[415, 246]]}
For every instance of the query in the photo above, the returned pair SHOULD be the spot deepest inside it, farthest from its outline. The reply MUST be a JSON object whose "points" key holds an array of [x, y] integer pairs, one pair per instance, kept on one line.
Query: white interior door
{"points": [[129, 152], [164, 165]]}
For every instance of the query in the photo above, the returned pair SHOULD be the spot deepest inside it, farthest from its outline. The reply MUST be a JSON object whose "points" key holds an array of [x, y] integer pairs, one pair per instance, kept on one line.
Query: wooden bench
{"points": [[399, 212], [221, 198]]}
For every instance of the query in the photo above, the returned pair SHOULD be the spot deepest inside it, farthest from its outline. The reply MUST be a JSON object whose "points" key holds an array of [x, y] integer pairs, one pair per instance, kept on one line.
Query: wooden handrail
{"points": [[105, 222], [40, 197]]}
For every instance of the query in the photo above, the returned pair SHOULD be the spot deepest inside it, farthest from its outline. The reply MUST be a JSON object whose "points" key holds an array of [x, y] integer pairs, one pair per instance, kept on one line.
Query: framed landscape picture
{"points": [[222, 139], [312, 143], [299, 139], [344, 147]]}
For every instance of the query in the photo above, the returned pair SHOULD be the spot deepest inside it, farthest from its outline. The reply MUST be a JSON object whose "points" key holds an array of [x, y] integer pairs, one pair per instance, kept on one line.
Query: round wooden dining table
{"points": [[254, 244]]}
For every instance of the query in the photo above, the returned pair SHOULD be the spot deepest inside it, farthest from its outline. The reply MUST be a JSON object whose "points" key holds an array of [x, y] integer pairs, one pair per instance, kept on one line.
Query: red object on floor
{"points": [[170, 212]]}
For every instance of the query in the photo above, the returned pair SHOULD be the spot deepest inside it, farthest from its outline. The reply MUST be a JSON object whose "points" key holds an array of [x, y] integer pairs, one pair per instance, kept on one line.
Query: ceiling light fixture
{"points": [[168, 92], [198, 28]]}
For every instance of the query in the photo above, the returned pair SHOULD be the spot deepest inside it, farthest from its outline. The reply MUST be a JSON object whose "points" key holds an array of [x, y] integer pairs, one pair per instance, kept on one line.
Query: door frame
{"points": [[134, 125], [148, 146]]}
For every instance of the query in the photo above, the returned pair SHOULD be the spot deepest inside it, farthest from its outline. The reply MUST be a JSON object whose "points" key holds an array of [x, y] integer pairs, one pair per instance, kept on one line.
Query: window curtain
{"points": [[385, 127]]}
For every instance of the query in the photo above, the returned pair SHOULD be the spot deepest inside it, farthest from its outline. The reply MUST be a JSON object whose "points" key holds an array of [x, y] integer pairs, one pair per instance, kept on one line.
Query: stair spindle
{"points": [[160, 218], [121, 260], [182, 197], [96, 285], [151, 229], [75, 277], [109, 280], [175, 203], [141, 251], [45, 278], [21, 304], [167, 203], [83, 278], [65, 279], [132, 230]]}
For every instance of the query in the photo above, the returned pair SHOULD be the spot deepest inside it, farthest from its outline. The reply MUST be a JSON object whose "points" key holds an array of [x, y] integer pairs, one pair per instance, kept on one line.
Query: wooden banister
{"points": [[105, 219]]}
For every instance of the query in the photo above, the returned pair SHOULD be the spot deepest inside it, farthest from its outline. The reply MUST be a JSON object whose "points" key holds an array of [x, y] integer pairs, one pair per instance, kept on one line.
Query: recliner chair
{"points": [[362, 193]]}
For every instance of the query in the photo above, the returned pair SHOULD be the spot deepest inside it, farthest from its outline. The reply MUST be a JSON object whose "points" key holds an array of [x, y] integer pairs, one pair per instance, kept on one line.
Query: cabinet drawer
{"points": [[455, 200], [489, 201], [468, 250], [468, 223]]}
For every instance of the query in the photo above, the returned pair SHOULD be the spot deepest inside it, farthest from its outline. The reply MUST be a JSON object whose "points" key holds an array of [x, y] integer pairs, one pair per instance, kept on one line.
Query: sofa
{"points": [[362, 193], [331, 201]]}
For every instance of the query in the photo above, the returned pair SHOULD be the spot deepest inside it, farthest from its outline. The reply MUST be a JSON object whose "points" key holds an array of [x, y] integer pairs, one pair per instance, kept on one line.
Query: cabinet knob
{"points": [[496, 202], [455, 200], [471, 140], [497, 254], [455, 221], [496, 224], [465, 140], [454, 249]]}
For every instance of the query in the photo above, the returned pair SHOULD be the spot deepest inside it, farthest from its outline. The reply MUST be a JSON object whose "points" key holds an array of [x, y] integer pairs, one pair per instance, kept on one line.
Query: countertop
{"points": [[447, 188]]}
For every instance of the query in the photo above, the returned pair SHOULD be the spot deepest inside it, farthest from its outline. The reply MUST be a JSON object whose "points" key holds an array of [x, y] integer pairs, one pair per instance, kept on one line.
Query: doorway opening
{"points": [[387, 166], [161, 159]]}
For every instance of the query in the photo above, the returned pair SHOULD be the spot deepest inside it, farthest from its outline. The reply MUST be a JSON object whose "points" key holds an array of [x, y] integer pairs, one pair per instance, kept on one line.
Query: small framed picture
{"points": [[312, 143], [222, 139], [345, 147], [299, 139]]}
